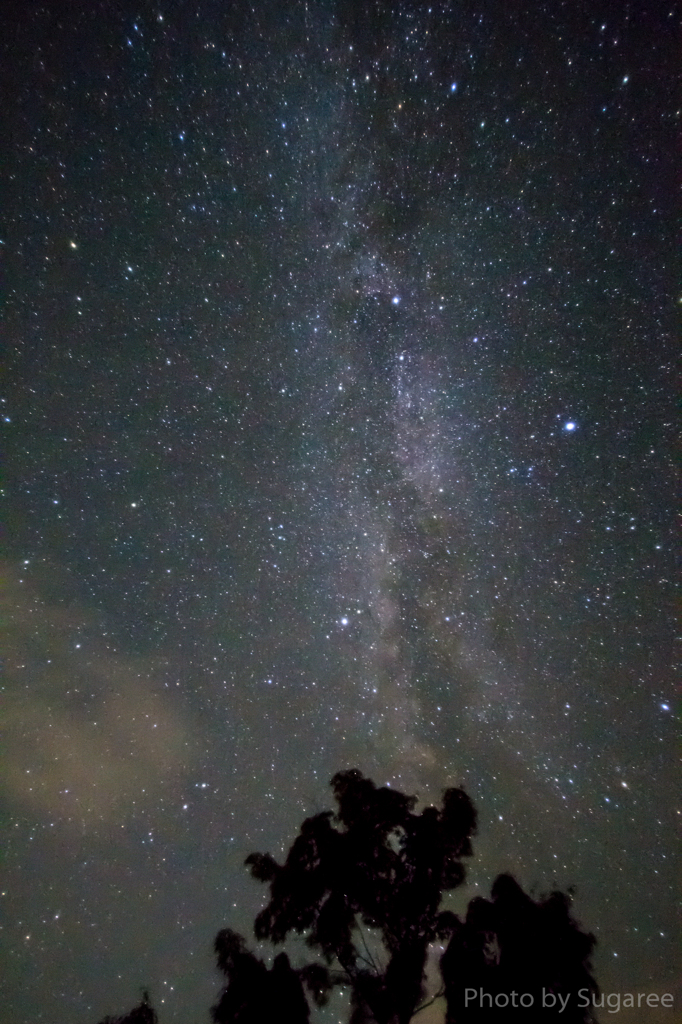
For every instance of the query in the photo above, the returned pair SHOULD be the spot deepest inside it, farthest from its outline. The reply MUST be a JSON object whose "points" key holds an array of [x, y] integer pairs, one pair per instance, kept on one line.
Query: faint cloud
{"points": [[90, 732]]}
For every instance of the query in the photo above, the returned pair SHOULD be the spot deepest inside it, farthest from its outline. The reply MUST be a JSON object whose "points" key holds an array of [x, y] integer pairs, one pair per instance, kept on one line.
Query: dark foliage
{"points": [[513, 944], [143, 1013], [374, 864], [256, 995]]}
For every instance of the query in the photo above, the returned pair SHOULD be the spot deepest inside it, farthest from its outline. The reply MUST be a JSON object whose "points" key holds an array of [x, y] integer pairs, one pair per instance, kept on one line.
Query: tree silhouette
{"points": [[364, 885], [143, 1013], [514, 959], [372, 865], [255, 995]]}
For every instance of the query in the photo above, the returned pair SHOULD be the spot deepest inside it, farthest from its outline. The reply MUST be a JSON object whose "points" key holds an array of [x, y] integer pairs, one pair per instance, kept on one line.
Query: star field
{"points": [[338, 425]]}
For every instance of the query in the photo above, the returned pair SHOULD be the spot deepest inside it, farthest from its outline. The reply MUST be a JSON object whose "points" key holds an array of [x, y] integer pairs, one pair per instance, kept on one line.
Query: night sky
{"points": [[338, 417]]}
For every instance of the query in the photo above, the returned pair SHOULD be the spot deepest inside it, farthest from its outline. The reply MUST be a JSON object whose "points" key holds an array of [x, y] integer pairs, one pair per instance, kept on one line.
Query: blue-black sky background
{"points": [[338, 417]]}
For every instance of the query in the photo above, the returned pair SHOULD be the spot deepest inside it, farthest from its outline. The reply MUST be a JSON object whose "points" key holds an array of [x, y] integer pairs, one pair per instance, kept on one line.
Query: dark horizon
{"points": [[338, 426]]}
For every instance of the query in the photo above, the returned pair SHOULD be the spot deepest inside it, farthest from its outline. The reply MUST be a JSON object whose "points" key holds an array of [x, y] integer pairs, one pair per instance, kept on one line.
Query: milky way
{"points": [[338, 424]]}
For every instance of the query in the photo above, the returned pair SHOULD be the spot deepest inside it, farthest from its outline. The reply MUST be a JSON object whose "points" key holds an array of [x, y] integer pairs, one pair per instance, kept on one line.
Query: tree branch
{"points": [[429, 1002], [371, 960]]}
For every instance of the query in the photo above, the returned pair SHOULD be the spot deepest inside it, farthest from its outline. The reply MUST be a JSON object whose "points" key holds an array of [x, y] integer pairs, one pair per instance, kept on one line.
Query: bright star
{"points": [[570, 426]]}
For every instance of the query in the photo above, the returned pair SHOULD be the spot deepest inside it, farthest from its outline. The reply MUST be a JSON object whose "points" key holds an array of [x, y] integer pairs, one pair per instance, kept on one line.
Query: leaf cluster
{"points": [[374, 861]]}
